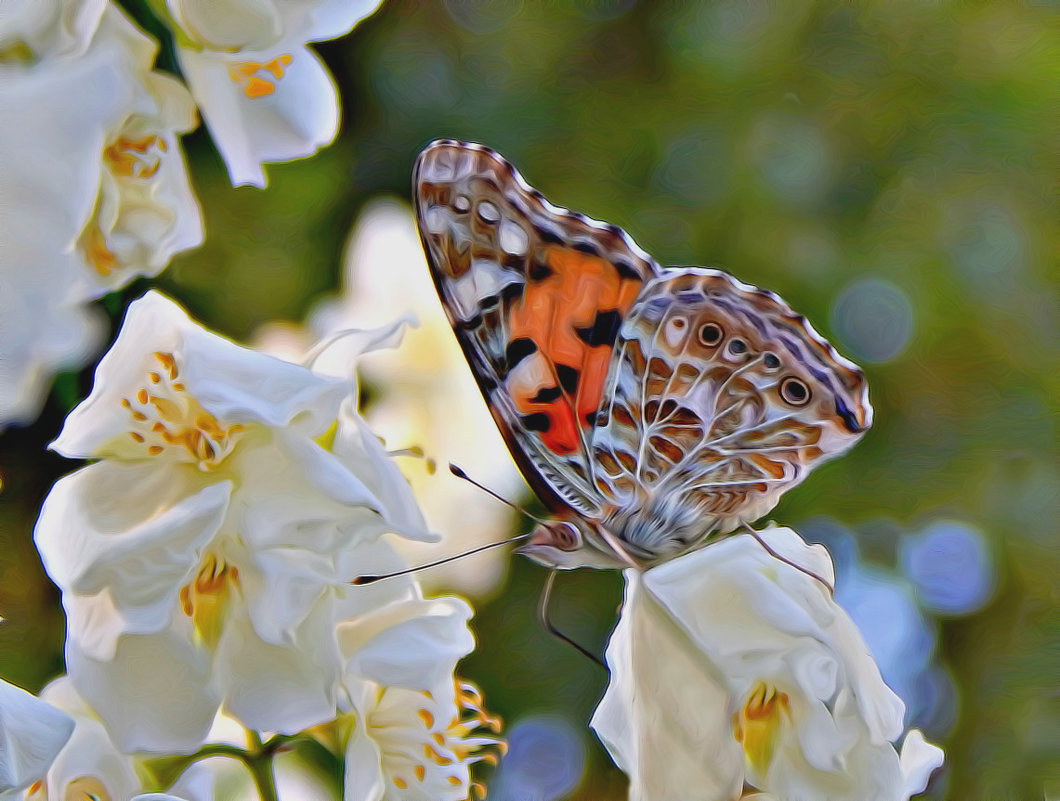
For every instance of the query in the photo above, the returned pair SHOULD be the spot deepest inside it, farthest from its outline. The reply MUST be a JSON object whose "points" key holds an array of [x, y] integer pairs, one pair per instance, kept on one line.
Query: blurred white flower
{"points": [[415, 729], [32, 733], [264, 94], [423, 394], [730, 666], [89, 766], [32, 29], [202, 558], [145, 211], [93, 188]]}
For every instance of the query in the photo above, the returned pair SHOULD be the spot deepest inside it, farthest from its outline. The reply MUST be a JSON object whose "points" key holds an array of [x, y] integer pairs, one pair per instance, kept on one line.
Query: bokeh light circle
{"points": [[873, 318]]}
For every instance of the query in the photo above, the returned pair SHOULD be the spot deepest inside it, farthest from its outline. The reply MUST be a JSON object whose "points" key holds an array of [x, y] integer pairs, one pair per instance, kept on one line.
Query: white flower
{"points": [[203, 557], [31, 29], [32, 732], [416, 730], [386, 276], [93, 190], [145, 211], [89, 766], [264, 94], [730, 666]]}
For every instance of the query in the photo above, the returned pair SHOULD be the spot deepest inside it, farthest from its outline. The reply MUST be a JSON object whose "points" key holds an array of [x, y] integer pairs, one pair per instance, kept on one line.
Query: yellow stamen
{"points": [[756, 725], [176, 419], [132, 158], [259, 79], [97, 254], [205, 600]]}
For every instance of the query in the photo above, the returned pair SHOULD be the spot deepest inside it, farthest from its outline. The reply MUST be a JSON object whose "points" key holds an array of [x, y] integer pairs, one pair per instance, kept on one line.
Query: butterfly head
{"points": [[566, 544]]}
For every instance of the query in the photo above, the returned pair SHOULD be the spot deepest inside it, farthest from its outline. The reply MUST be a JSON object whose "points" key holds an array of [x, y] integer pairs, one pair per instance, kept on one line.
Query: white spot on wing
{"points": [[675, 331], [512, 238], [530, 375], [435, 218], [484, 279], [488, 212]]}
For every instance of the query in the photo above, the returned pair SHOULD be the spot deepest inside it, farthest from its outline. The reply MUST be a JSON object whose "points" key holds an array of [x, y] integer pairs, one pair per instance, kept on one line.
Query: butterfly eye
{"points": [[710, 334], [771, 361], [566, 537], [794, 392]]}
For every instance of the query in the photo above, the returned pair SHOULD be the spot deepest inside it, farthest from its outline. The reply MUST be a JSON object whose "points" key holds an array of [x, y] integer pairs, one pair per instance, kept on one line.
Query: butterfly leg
{"points": [[542, 610], [775, 555]]}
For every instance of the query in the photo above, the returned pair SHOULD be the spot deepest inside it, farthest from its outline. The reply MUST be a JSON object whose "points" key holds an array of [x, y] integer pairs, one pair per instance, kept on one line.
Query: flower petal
{"points": [[281, 688], [32, 733], [362, 776], [918, 759], [664, 716], [156, 693], [411, 644]]}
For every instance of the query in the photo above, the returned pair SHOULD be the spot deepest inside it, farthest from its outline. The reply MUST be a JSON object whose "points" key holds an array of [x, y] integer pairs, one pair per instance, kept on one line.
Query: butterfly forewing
{"points": [[536, 295]]}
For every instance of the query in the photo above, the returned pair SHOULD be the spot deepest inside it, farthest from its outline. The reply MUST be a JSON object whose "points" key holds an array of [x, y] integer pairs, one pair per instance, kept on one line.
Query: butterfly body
{"points": [[650, 408]]}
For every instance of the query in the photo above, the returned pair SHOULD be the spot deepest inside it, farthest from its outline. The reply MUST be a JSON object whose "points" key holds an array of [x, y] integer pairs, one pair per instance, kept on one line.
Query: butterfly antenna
{"points": [[546, 621], [800, 568], [459, 473], [371, 579]]}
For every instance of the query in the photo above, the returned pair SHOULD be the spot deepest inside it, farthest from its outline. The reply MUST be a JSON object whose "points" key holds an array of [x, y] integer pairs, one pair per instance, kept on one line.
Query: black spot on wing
{"points": [[626, 270], [590, 418], [587, 247], [568, 378], [603, 330], [539, 272], [538, 421], [517, 350], [548, 235], [546, 395]]}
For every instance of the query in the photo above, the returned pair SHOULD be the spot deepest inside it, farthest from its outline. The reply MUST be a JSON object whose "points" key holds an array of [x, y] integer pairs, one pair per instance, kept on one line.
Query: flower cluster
{"points": [[206, 557], [98, 193], [207, 554]]}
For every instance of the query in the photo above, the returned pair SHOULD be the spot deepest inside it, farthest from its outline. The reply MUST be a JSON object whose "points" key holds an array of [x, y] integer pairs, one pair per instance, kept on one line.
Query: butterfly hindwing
{"points": [[720, 399], [536, 295]]}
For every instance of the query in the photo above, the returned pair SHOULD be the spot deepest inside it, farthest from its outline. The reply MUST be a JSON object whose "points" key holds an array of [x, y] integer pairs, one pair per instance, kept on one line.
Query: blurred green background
{"points": [[887, 167]]}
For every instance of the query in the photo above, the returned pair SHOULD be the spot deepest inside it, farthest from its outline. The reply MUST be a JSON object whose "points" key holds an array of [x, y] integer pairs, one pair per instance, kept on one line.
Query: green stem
{"points": [[260, 767]]}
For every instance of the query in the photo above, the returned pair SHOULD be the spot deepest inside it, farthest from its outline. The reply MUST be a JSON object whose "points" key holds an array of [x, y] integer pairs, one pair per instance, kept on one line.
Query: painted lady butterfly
{"points": [[650, 408]]}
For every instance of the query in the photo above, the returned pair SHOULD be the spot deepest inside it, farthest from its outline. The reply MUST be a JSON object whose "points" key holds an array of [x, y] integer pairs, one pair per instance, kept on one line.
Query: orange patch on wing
{"points": [[579, 286]]}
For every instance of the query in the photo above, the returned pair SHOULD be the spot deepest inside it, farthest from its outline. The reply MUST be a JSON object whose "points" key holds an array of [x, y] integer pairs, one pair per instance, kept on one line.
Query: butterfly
{"points": [[651, 409]]}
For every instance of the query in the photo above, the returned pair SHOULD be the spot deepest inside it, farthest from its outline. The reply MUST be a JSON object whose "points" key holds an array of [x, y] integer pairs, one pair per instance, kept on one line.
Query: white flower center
{"points": [[124, 158], [421, 751], [166, 419], [259, 79]]}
